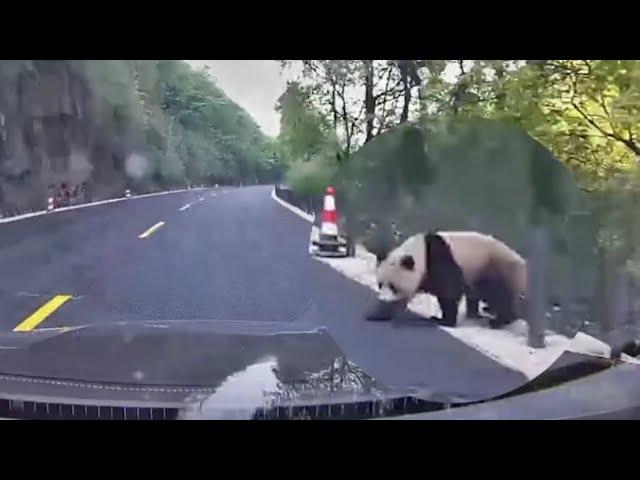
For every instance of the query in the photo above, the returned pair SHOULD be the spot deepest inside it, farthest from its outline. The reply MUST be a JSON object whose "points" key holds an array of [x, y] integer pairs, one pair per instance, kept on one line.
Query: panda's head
{"points": [[400, 272]]}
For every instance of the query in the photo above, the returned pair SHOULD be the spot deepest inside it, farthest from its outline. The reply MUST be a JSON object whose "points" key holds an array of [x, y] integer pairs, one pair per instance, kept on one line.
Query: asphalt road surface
{"points": [[226, 254]]}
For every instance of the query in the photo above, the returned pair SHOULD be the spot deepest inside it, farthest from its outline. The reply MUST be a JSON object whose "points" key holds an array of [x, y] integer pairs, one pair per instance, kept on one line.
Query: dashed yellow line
{"points": [[151, 230], [37, 317]]}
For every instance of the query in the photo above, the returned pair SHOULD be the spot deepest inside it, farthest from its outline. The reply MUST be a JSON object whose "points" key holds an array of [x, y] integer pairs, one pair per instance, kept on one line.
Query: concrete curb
{"points": [[307, 216]]}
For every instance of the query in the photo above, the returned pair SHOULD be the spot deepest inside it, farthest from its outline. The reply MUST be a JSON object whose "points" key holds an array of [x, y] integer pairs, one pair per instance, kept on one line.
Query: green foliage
{"points": [[214, 138], [587, 112], [199, 134], [311, 178], [79, 121], [305, 143], [383, 179], [304, 133], [459, 173]]}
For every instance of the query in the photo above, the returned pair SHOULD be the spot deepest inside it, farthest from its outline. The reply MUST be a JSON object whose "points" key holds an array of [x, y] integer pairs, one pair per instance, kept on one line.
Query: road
{"points": [[226, 254]]}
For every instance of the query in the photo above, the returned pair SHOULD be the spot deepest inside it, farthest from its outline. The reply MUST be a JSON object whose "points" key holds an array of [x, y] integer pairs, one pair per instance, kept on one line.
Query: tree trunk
{"points": [[345, 119], [334, 111], [369, 100], [460, 88], [404, 77], [500, 94]]}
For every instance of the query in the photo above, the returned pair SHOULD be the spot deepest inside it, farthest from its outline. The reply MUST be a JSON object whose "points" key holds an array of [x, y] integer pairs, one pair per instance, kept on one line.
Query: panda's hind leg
{"points": [[472, 306], [494, 290], [449, 307], [505, 313], [501, 321]]}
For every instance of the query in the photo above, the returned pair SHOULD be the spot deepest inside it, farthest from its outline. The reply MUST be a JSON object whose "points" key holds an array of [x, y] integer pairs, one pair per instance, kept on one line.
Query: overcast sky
{"points": [[255, 85]]}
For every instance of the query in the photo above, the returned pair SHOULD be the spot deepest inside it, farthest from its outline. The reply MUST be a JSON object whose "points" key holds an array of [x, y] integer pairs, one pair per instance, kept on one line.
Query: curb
{"points": [[307, 216], [92, 204]]}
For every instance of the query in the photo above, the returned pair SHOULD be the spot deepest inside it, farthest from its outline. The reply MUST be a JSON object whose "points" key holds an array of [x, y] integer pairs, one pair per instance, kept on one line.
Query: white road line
{"points": [[308, 217], [151, 230], [213, 194], [182, 209]]}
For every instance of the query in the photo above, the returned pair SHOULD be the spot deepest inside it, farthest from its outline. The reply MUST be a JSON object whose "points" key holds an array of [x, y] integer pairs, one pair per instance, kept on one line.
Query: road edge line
{"points": [[307, 216], [25, 216]]}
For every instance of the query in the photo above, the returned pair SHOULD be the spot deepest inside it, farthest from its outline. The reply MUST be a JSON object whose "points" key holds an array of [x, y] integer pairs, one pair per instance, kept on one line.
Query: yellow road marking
{"points": [[151, 230], [42, 313]]}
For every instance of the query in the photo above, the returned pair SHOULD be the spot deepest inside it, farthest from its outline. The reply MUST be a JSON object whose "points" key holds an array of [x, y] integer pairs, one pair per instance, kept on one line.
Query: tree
{"points": [[593, 113], [304, 132], [306, 142], [362, 98]]}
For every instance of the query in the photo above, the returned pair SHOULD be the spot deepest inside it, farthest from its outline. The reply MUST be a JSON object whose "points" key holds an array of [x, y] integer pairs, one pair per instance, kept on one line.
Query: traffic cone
{"points": [[329, 224], [50, 204], [327, 241]]}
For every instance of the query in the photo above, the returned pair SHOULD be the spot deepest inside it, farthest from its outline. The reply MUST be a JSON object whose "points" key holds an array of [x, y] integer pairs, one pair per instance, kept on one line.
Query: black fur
{"points": [[444, 279], [407, 262], [493, 289]]}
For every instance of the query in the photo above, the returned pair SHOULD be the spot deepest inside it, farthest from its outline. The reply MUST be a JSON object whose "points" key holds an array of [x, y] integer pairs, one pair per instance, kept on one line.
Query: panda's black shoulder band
{"points": [[431, 234]]}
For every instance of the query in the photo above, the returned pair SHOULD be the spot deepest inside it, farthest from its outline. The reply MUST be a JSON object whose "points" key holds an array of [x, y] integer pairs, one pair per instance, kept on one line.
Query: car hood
{"points": [[210, 369], [204, 369]]}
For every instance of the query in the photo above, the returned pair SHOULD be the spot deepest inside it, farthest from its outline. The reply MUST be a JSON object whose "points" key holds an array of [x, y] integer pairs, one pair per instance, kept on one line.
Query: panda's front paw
{"points": [[495, 323], [443, 322], [498, 322], [384, 311]]}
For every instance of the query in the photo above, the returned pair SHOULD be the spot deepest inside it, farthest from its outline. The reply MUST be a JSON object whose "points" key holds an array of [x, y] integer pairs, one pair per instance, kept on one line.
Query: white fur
{"points": [[406, 282], [474, 252]]}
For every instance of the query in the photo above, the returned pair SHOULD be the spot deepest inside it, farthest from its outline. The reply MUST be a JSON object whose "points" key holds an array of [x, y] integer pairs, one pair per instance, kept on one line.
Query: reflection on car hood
{"points": [[206, 368]]}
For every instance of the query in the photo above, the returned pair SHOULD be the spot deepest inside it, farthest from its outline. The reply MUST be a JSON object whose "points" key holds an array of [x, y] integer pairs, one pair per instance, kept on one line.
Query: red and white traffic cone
{"points": [[50, 205], [327, 241], [329, 224]]}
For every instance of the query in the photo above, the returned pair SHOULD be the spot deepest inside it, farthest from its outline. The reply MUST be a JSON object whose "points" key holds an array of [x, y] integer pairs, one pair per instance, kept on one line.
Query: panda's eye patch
{"points": [[379, 285], [407, 262]]}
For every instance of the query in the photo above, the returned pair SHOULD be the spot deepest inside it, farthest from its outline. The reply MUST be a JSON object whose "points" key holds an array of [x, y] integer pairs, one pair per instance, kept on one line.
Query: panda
{"points": [[449, 265]]}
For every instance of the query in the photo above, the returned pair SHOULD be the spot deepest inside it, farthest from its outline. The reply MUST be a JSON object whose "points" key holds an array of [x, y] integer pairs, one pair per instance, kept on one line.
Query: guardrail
{"points": [[307, 203]]}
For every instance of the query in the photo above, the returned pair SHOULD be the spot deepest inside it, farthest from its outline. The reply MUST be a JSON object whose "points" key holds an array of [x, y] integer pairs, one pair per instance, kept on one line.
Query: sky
{"points": [[255, 85]]}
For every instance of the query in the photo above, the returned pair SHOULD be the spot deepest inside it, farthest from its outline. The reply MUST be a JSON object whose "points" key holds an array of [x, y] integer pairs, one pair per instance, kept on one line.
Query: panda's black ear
{"points": [[381, 255], [407, 262]]}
